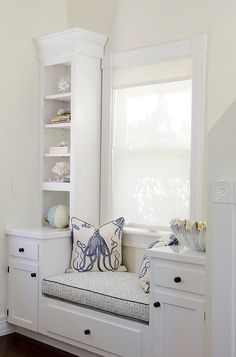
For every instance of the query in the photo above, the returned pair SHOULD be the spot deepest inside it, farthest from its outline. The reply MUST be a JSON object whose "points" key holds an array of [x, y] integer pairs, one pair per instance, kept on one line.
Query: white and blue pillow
{"points": [[144, 271], [96, 249]]}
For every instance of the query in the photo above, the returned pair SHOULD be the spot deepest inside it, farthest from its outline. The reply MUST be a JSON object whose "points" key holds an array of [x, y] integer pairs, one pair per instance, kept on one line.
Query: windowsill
{"points": [[141, 238]]}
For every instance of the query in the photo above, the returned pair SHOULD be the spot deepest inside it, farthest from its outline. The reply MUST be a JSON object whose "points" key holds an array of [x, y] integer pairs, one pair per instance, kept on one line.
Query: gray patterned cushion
{"points": [[118, 293], [96, 249]]}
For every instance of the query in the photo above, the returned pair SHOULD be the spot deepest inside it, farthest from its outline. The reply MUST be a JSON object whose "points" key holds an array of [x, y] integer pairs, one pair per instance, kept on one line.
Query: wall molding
{"points": [[5, 327], [222, 249]]}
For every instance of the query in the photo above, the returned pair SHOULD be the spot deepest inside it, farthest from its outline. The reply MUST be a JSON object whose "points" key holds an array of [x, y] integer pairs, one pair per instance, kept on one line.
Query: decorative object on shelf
{"points": [[190, 234], [61, 172], [61, 148], [64, 85], [63, 116], [58, 216]]}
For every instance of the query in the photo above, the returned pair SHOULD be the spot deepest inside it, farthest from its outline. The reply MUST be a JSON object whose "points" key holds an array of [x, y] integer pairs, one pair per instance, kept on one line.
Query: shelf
{"points": [[63, 97], [57, 155], [56, 186], [58, 126]]}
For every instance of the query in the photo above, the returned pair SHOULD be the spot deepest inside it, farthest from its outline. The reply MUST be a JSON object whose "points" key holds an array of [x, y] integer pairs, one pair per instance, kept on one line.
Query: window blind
{"points": [[151, 144]]}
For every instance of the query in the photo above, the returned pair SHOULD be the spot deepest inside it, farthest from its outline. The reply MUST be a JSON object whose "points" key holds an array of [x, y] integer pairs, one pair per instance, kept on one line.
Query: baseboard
{"points": [[55, 343], [5, 327]]}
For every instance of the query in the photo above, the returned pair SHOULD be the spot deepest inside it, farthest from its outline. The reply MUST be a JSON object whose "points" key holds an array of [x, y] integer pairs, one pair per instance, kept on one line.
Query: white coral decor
{"points": [[190, 234], [61, 171], [64, 85]]}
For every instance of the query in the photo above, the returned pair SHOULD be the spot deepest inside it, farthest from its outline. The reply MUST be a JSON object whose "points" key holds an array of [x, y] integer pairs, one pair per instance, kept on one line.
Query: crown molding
{"points": [[71, 35]]}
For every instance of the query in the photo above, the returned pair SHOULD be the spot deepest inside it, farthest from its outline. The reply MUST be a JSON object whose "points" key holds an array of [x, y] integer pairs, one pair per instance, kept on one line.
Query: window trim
{"points": [[195, 47]]}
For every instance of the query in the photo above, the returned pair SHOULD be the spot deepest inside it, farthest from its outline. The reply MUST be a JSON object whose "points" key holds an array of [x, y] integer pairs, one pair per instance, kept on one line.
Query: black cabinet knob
{"points": [[177, 279], [21, 250], [33, 275], [156, 304], [87, 332]]}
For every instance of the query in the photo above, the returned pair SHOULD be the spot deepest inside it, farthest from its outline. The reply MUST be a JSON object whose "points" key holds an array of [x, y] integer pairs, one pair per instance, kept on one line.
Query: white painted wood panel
{"points": [[102, 334], [192, 279], [23, 294], [23, 249], [178, 326]]}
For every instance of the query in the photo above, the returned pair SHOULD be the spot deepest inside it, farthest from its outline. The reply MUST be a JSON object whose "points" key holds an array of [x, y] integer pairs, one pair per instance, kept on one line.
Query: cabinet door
{"points": [[177, 325], [23, 294]]}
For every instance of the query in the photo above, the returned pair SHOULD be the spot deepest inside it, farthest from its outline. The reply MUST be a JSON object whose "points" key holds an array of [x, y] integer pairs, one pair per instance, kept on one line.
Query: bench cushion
{"points": [[114, 292]]}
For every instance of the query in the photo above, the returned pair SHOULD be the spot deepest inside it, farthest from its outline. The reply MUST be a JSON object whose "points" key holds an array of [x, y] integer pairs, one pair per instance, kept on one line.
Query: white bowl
{"points": [[190, 234]]}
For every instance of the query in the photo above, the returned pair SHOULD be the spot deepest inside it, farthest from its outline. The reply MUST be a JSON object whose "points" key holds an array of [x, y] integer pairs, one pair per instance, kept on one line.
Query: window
{"points": [[153, 134], [151, 152]]}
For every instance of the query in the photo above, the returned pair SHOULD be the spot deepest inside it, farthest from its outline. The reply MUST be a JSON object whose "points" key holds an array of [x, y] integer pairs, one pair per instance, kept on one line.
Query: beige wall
{"points": [[20, 21], [92, 15], [140, 23]]}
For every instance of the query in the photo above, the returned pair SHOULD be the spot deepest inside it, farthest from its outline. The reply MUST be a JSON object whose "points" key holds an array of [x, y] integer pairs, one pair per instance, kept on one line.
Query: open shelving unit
{"points": [[73, 56]]}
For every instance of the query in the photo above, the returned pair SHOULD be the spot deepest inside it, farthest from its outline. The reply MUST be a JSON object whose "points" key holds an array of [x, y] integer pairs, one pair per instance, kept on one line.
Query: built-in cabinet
{"points": [[32, 256], [23, 283], [177, 302], [69, 125], [70, 121]]}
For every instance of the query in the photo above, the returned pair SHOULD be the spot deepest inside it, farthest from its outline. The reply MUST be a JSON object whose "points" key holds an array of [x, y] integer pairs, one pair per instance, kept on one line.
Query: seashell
{"points": [[190, 234]]}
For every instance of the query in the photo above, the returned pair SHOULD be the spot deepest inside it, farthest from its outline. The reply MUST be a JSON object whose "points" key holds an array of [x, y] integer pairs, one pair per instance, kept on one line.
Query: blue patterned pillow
{"points": [[96, 249], [144, 271]]}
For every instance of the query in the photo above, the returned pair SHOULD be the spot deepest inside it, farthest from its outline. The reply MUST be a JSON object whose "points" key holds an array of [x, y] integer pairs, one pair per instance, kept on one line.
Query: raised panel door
{"points": [[23, 294], [177, 325]]}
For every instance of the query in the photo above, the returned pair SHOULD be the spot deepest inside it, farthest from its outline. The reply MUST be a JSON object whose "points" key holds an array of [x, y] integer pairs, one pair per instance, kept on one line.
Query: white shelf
{"points": [[57, 155], [58, 126], [56, 186], [64, 97]]}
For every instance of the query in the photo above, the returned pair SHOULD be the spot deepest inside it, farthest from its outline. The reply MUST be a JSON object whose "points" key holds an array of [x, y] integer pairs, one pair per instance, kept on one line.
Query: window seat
{"points": [[117, 293]]}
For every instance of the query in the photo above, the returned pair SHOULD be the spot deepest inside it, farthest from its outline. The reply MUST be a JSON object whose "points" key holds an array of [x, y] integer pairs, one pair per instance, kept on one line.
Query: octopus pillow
{"points": [[144, 271], [96, 249]]}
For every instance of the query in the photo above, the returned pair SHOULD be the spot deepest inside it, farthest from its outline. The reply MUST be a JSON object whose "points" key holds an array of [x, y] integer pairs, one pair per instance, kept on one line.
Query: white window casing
{"points": [[195, 49]]}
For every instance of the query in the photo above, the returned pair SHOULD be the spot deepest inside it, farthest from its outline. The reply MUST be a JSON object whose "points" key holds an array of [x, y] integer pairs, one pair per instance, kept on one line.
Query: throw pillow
{"points": [[144, 271], [96, 249]]}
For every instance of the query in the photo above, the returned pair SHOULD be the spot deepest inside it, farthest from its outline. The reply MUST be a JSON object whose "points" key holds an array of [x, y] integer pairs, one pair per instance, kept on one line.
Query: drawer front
{"points": [[98, 333], [24, 249], [186, 277]]}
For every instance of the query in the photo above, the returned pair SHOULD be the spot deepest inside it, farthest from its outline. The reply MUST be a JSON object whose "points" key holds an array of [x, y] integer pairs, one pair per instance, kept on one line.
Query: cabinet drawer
{"points": [[99, 333], [187, 277], [24, 249]]}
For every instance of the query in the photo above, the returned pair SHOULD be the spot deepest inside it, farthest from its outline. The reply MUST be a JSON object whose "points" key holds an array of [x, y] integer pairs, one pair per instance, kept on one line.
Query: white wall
{"points": [[20, 21]]}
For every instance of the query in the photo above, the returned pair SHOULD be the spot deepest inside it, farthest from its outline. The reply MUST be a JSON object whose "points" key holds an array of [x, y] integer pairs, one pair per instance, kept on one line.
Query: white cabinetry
{"points": [[23, 283], [32, 254], [73, 56], [177, 302]]}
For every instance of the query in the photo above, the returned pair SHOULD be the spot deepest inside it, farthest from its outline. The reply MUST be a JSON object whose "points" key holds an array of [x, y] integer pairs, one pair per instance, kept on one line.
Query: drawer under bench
{"points": [[99, 332]]}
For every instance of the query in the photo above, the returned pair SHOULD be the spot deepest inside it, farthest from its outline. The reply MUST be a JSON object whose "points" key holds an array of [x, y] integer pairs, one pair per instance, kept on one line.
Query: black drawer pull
{"points": [[156, 304], [33, 275], [177, 279], [87, 332], [21, 250]]}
